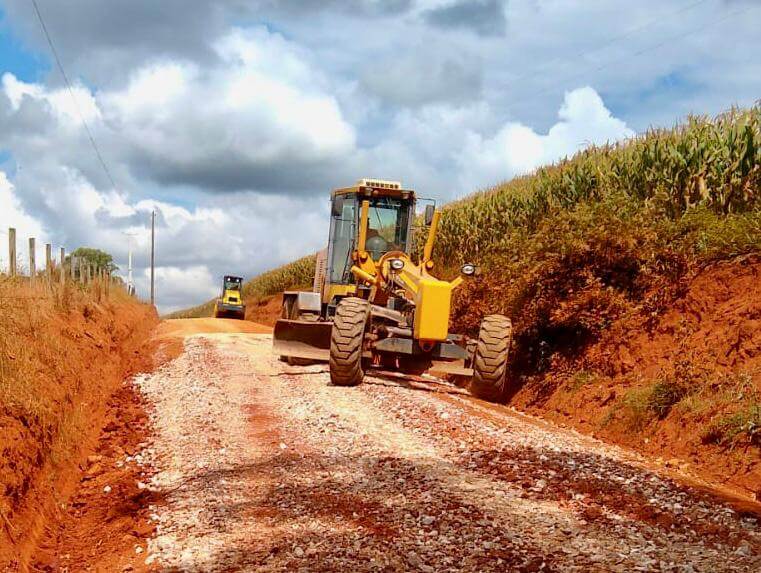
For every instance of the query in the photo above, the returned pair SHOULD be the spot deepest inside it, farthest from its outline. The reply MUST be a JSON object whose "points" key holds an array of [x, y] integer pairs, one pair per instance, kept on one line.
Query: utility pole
{"points": [[153, 254]]}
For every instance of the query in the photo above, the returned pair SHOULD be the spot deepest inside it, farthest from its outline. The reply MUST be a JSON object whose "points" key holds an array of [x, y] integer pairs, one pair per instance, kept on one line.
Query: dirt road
{"points": [[260, 466]]}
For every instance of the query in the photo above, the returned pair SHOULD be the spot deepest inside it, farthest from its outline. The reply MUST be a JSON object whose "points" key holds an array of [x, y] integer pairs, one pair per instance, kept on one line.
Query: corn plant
{"points": [[703, 163]]}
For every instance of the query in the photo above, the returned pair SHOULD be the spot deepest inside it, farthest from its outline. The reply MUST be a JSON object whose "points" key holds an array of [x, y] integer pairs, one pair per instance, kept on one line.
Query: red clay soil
{"points": [[265, 310], [707, 344], [77, 358], [106, 522]]}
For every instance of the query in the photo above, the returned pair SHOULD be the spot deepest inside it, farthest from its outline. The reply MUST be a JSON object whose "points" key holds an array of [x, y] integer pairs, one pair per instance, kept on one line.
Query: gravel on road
{"points": [[260, 466]]}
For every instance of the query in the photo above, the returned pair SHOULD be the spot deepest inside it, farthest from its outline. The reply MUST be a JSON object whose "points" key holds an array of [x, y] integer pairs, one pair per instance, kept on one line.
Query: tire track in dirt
{"points": [[269, 468]]}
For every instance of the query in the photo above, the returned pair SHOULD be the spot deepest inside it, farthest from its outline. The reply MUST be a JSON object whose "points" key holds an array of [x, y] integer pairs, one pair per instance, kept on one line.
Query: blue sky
{"points": [[235, 119], [16, 58]]}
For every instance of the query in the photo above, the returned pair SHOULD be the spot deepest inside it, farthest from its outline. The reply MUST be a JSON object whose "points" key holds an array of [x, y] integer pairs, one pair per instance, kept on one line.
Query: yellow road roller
{"points": [[230, 303]]}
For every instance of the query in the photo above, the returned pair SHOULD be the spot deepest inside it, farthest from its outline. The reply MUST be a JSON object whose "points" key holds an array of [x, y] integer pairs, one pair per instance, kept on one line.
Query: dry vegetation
{"points": [[63, 351]]}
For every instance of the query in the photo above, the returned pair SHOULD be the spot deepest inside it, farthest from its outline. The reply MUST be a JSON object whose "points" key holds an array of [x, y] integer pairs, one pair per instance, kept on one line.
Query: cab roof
{"points": [[376, 188]]}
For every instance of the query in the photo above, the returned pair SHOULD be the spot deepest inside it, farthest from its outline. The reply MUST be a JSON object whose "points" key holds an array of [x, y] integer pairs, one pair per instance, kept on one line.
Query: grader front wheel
{"points": [[490, 357], [346, 341]]}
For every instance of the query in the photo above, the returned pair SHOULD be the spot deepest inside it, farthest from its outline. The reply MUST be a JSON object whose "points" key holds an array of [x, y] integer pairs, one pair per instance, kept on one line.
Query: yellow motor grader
{"points": [[371, 304]]}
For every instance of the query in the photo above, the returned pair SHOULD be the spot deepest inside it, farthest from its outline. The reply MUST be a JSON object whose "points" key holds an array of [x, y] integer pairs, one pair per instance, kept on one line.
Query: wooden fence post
{"points": [[63, 266], [12, 251], [49, 263], [32, 263], [73, 261]]}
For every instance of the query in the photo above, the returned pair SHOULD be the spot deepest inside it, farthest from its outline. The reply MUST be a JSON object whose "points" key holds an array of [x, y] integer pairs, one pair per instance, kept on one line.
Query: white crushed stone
{"points": [[264, 467]]}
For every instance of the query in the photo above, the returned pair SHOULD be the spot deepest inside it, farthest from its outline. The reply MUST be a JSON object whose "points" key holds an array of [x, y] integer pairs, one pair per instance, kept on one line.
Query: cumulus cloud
{"points": [[416, 79], [234, 119], [260, 120], [517, 149], [486, 17]]}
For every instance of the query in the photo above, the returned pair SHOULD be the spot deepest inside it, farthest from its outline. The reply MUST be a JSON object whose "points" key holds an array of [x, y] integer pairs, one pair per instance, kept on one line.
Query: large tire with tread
{"points": [[346, 341], [490, 358]]}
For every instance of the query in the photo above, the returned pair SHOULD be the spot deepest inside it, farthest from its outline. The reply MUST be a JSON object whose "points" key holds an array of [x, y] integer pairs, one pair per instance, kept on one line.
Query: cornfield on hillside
{"points": [[296, 274], [709, 163]]}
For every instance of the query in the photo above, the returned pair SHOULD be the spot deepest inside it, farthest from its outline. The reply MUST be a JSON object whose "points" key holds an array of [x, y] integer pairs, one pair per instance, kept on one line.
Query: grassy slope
{"points": [[61, 355]]}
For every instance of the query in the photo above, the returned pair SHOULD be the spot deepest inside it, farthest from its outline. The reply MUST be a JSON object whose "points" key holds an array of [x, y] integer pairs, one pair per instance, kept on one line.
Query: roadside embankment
{"points": [[682, 386], [63, 352], [630, 273]]}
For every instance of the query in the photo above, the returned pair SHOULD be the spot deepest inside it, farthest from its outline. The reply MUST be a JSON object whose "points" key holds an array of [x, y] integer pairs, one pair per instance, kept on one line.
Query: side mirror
{"points": [[338, 207], [429, 211]]}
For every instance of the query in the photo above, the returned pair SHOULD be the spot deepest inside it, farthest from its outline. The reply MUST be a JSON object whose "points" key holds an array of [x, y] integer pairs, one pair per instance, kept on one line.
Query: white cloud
{"points": [[517, 149], [175, 286], [261, 110], [67, 110], [235, 135]]}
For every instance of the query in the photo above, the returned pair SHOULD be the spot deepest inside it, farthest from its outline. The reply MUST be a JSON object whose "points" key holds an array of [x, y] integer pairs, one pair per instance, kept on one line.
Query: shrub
{"points": [[728, 429]]}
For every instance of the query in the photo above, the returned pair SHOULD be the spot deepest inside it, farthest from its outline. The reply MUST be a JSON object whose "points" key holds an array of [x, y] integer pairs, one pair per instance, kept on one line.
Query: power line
{"points": [[71, 93], [611, 40], [632, 55]]}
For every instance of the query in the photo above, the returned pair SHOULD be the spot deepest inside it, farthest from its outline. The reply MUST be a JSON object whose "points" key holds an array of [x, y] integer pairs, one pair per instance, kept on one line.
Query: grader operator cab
{"points": [[373, 305], [230, 303]]}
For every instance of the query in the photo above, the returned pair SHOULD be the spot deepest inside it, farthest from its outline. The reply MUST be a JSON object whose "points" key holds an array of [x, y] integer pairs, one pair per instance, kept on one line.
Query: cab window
{"points": [[387, 226]]}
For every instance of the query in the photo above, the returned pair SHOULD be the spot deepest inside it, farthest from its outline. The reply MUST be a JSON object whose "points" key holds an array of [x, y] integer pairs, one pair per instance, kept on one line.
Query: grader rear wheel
{"points": [[490, 357], [346, 341]]}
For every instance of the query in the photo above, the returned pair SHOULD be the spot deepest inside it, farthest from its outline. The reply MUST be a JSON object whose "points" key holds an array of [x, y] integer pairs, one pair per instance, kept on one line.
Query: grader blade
{"points": [[302, 339]]}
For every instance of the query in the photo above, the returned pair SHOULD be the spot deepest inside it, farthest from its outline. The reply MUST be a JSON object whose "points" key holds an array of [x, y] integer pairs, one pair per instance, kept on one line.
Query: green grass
{"points": [[729, 429], [731, 403], [641, 406], [580, 379]]}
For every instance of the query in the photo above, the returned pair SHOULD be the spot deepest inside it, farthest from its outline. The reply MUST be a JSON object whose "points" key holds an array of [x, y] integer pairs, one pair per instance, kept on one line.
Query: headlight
{"points": [[396, 264], [468, 269]]}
